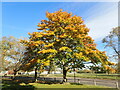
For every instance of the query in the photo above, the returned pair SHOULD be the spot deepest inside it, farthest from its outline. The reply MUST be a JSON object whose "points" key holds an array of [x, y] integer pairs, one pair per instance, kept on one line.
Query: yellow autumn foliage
{"points": [[66, 36], [48, 51], [65, 49], [49, 45]]}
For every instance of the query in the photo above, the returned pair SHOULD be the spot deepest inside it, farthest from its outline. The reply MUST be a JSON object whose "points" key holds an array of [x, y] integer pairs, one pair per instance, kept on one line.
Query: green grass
{"points": [[9, 84], [81, 75], [67, 85], [88, 75]]}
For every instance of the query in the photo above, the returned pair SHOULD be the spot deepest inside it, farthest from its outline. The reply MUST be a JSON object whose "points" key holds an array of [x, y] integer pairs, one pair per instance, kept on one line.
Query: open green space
{"points": [[9, 84], [68, 85], [80, 75], [87, 75]]}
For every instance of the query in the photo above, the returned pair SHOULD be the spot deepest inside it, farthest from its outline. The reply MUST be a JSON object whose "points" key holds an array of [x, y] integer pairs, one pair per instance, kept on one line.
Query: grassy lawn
{"points": [[80, 75], [67, 85], [87, 75], [9, 84]]}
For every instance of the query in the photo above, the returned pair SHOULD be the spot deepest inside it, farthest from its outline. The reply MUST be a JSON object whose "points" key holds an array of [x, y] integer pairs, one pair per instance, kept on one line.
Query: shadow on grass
{"points": [[48, 82], [16, 85], [76, 84]]}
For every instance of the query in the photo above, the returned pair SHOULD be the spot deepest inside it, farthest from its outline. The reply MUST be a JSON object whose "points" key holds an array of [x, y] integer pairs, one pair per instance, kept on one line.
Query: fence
{"points": [[108, 83]]}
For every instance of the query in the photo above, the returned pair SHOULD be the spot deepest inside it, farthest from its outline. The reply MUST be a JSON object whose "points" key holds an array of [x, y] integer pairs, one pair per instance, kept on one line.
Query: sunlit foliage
{"points": [[63, 38]]}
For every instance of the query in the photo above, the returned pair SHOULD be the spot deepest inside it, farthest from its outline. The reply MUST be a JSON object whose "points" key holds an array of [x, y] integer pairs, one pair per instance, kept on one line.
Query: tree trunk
{"points": [[35, 74], [49, 70], [64, 75], [15, 72], [50, 67], [108, 72]]}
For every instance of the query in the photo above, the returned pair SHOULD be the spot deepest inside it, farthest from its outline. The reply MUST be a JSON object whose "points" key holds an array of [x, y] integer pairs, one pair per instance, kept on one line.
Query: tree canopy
{"points": [[63, 38], [11, 52], [112, 40]]}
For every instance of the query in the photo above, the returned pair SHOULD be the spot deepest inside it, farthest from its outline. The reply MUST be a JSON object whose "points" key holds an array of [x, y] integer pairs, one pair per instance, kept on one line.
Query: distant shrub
{"points": [[49, 82], [84, 71]]}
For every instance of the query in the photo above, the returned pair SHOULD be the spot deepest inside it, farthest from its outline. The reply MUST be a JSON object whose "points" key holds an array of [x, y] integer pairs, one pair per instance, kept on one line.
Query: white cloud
{"points": [[103, 23]]}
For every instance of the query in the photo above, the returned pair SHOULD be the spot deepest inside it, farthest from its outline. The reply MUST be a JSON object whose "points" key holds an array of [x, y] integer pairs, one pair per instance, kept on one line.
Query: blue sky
{"points": [[19, 18]]}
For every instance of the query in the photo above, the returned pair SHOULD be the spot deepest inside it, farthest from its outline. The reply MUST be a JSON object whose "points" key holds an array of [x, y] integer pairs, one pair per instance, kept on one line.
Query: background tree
{"points": [[64, 40], [101, 69], [31, 59], [95, 69], [12, 53], [5, 45], [113, 41]]}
